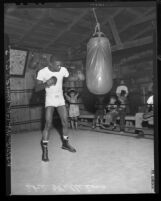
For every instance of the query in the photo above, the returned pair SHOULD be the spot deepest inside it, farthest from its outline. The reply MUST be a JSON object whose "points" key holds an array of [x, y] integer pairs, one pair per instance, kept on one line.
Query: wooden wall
{"points": [[26, 116]]}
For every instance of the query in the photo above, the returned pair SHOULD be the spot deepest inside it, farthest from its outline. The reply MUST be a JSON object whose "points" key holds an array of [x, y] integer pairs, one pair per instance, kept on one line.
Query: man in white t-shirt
{"points": [[122, 87], [147, 116], [50, 78], [150, 100]]}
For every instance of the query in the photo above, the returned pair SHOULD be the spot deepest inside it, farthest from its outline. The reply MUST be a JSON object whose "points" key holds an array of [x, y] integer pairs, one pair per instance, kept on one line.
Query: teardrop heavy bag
{"points": [[99, 65]]}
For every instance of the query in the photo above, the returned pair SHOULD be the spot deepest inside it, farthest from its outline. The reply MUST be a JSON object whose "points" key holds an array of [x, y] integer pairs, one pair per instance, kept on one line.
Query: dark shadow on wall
{"points": [[89, 99], [38, 100]]}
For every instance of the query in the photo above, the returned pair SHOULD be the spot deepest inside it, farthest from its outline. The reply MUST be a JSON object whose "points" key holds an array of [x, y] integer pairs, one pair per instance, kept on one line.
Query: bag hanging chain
{"points": [[97, 27]]}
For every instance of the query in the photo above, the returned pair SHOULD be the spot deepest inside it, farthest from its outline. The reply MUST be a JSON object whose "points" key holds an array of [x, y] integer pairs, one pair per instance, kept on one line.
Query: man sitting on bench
{"points": [[110, 113], [147, 116]]}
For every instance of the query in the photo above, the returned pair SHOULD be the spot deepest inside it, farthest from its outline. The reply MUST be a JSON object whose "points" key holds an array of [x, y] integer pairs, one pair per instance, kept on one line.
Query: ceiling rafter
{"points": [[34, 26], [103, 23], [148, 11], [129, 44], [134, 43], [112, 16], [140, 33], [135, 12], [11, 18], [114, 30], [75, 21], [139, 20]]}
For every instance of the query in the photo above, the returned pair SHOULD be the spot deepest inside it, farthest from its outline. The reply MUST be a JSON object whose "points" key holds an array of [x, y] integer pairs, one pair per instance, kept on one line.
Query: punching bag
{"points": [[99, 65]]}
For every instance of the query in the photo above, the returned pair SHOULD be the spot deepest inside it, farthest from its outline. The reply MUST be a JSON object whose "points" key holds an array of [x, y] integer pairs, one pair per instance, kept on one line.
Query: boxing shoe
{"points": [[67, 146], [44, 146]]}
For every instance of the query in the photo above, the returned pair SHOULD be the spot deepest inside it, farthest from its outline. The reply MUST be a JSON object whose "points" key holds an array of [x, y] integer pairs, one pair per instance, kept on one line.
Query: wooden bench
{"points": [[92, 117], [87, 116]]}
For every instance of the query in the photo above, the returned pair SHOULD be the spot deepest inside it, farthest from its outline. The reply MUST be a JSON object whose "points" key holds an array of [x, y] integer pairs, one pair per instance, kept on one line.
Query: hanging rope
{"points": [[97, 27], [95, 15]]}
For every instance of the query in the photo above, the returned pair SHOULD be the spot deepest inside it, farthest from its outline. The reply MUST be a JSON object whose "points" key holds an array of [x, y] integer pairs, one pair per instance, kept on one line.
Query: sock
{"points": [[65, 137], [44, 142]]}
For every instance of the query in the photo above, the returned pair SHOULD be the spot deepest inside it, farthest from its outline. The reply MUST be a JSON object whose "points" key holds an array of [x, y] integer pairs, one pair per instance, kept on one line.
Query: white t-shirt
{"points": [[54, 93], [120, 88], [150, 100]]}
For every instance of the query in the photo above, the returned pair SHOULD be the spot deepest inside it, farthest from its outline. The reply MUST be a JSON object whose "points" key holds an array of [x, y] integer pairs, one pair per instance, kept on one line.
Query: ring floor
{"points": [[103, 164]]}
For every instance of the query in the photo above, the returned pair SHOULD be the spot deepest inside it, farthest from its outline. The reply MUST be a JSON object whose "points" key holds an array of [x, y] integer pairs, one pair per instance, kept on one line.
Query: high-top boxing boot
{"points": [[44, 145], [66, 144]]}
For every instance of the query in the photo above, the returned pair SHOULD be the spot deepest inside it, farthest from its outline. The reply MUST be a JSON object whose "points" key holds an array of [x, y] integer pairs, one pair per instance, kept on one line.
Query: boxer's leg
{"points": [[45, 135], [64, 120]]}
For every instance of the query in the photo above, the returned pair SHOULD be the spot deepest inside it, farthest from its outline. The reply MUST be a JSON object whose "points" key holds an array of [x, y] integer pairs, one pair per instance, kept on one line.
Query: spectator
{"points": [[121, 87], [111, 113], [147, 116], [73, 107], [122, 99]]}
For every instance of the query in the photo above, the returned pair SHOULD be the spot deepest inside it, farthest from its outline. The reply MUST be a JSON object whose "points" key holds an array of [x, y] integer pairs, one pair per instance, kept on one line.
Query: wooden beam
{"points": [[140, 33], [112, 16], [148, 11], [11, 18], [135, 12], [104, 22], [135, 43], [75, 21], [130, 44], [137, 21], [35, 25], [114, 30]]}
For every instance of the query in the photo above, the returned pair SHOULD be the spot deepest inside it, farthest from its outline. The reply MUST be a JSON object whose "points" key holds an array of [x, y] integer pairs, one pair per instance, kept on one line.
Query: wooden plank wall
{"points": [[25, 117]]}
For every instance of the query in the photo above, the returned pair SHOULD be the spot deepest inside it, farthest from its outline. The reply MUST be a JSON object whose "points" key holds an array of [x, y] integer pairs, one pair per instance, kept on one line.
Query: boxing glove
{"points": [[51, 81]]}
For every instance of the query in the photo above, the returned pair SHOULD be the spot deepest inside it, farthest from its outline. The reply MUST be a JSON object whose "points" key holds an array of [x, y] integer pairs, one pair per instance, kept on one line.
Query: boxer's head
{"points": [[55, 62]]}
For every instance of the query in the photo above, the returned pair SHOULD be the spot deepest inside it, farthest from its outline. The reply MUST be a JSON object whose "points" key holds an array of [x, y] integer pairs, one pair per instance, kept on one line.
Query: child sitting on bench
{"points": [[110, 113]]}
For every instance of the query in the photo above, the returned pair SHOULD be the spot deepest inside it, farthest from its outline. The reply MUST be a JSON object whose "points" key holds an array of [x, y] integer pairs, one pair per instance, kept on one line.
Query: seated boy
{"points": [[122, 100], [110, 113]]}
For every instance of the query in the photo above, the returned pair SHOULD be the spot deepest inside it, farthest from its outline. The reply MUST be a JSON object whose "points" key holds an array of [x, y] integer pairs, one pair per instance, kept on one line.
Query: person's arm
{"points": [[40, 85], [65, 72], [118, 91], [77, 95], [67, 97], [127, 92]]}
